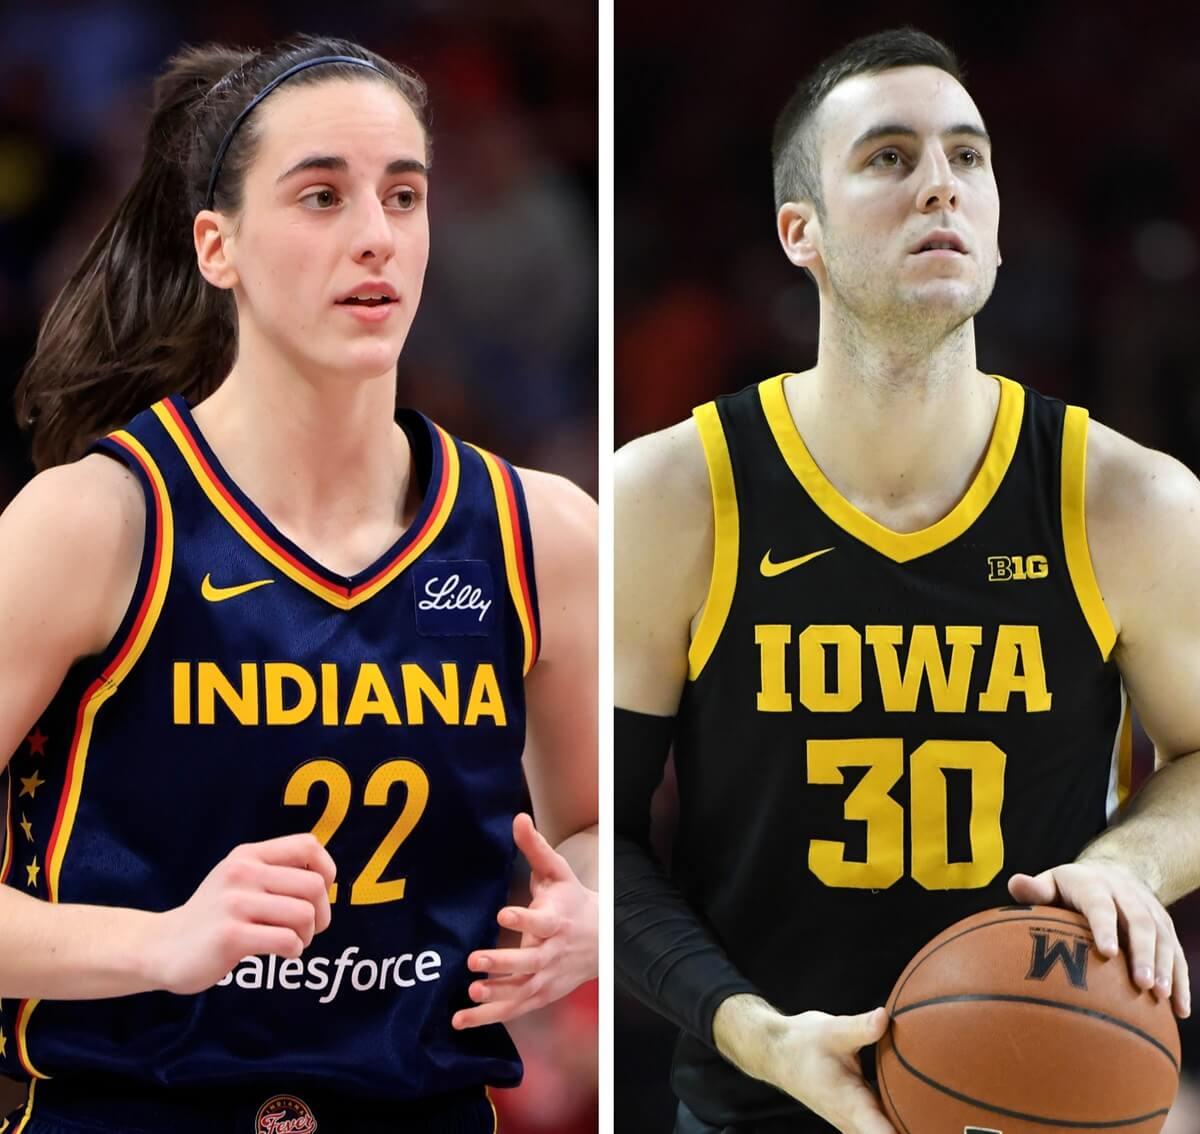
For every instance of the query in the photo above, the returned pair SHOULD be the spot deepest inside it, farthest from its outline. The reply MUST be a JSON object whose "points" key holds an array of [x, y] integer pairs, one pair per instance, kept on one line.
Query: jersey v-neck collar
{"points": [[253, 526], [900, 547]]}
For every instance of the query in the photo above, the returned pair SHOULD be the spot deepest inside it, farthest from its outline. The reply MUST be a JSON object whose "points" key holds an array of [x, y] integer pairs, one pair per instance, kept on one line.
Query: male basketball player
{"points": [[888, 611]]}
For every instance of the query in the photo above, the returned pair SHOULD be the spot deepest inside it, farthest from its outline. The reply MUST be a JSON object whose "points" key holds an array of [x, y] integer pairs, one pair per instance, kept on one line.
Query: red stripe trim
{"points": [[100, 681], [246, 518], [429, 521], [281, 551], [20, 1022], [519, 549]]}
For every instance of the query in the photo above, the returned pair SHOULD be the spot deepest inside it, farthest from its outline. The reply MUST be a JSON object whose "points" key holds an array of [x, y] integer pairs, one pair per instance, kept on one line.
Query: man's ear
{"points": [[799, 230]]}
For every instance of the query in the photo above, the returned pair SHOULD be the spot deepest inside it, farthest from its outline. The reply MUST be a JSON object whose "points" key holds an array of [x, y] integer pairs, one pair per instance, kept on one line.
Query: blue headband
{"points": [[223, 148]]}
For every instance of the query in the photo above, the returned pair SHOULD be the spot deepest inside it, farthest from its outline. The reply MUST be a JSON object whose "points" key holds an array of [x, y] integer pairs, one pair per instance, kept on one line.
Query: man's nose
{"points": [[938, 187]]}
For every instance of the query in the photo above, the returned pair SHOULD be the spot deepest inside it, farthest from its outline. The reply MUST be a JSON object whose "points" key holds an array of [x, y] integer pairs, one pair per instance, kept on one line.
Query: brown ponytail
{"points": [[136, 321]]}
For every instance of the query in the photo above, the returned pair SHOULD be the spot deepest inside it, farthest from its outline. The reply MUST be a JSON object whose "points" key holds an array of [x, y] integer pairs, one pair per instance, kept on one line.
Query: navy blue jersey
{"points": [[251, 693]]}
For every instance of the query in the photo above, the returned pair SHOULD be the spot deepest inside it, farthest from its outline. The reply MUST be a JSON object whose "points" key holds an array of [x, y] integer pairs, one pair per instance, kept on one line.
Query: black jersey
{"points": [[880, 728]]}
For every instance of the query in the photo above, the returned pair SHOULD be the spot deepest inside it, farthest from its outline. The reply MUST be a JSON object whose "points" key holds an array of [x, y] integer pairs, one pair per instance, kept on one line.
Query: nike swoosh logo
{"points": [[220, 594], [770, 570]]}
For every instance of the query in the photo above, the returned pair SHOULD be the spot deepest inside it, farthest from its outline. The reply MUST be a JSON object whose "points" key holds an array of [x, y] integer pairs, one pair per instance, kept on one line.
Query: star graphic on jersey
{"points": [[37, 742], [3, 1043], [32, 871], [27, 827], [30, 784]]}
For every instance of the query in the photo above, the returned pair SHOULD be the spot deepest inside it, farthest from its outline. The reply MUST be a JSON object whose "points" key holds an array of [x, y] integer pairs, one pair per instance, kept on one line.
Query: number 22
{"points": [[367, 890]]}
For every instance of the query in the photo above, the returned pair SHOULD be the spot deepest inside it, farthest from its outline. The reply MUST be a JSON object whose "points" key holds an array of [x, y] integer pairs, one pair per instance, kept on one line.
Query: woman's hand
{"points": [[559, 946]]}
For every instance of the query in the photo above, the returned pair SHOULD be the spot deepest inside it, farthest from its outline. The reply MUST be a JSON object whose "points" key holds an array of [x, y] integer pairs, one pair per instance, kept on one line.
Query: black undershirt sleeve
{"points": [[664, 954]]}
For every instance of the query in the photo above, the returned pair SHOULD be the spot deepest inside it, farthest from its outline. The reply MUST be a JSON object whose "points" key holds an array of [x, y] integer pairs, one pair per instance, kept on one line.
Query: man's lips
{"points": [[939, 242]]}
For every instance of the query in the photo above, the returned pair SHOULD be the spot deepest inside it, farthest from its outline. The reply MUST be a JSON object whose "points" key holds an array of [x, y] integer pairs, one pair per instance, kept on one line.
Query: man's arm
{"points": [[1143, 523], [664, 954]]}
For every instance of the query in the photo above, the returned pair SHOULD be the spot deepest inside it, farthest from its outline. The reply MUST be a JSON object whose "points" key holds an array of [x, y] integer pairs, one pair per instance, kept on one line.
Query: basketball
{"points": [[1012, 1022]]}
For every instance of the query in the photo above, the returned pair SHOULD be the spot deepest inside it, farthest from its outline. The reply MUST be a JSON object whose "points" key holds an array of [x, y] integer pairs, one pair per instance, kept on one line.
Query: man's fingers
{"points": [[1101, 913], [859, 1031], [506, 961], [1141, 933], [1033, 890], [1164, 963], [1181, 992], [541, 856]]}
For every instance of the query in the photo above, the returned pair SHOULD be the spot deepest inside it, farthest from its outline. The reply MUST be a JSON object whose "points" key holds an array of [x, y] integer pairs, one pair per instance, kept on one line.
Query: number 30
{"points": [[869, 802]]}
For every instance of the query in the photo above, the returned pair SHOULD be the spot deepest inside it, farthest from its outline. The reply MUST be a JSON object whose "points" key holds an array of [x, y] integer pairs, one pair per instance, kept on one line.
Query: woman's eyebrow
{"points": [[340, 165]]}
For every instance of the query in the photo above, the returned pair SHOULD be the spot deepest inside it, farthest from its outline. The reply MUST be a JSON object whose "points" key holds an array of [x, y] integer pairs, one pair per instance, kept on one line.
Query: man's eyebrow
{"points": [[340, 165], [900, 130]]}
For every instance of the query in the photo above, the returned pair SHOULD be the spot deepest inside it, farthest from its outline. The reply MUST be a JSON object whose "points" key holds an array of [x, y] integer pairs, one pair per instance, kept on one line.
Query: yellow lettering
{"points": [[1017, 667], [211, 683], [418, 684], [274, 675], [772, 641], [948, 693], [485, 700], [371, 696], [815, 694], [183, 693], [329, 693]]}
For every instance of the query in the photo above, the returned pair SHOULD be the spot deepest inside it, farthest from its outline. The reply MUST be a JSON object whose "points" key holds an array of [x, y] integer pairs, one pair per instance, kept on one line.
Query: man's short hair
{"points": [[794, 148]]}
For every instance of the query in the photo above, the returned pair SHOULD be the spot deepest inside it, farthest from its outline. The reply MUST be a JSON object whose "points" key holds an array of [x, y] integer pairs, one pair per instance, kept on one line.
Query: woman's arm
{"points": [[559, 929], [70, 551]]}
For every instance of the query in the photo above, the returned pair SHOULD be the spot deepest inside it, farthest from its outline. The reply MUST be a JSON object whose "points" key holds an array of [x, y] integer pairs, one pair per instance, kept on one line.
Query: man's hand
{"points": [[1112, 897], [559, 946], [813, 1057]]}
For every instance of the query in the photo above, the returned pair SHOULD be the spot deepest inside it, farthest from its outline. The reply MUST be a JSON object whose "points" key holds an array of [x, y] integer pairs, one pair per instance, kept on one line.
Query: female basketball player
{"points": [[269, 648]]}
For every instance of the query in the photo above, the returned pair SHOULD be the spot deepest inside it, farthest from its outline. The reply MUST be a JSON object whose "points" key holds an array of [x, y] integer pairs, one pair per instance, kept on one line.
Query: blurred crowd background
{"points": [[504, 348], [1092, 109]]}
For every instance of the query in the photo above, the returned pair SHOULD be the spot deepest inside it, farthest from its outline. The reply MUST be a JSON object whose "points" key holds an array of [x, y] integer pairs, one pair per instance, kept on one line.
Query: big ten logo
{"points": [[1017, 568]]}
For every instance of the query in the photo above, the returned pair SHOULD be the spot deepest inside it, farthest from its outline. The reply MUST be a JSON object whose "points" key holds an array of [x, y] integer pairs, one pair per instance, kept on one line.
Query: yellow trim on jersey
{"points": [[1074, 522], [102, 691], [317, 587], [898, 546], [487, 1094], [28, 1110], [1125, 757], [512, 569], [725, 539]]}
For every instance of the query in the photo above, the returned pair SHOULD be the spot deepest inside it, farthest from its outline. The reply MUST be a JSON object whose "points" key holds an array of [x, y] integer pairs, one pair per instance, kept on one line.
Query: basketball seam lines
{"points": [[1011, 998], [1021, 1114]]}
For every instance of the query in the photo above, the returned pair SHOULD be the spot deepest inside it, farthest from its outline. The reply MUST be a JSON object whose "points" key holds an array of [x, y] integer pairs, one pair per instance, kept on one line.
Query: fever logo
{"points": [[285, 1114]]}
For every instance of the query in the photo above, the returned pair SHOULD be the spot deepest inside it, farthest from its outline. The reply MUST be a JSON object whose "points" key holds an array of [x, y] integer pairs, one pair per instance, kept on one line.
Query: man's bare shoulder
{"points": [[664, 476], [1132, 487], [1143, 520]]}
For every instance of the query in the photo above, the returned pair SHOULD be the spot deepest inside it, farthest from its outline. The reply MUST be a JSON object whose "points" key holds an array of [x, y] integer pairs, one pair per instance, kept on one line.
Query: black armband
{"points": [[665, 955]]}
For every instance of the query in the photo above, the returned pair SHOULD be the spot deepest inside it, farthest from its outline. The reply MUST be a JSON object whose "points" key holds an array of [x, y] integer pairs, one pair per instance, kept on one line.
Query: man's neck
{"points": [[899, 427]]}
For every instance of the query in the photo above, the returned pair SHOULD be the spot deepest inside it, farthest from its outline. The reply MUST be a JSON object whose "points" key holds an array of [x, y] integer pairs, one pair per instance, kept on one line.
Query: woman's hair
{"points": [[137, 321]]}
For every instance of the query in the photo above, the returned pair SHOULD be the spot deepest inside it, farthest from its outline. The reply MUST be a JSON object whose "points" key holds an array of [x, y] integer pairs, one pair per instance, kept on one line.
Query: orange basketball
{"points": [[1012, 1022]]}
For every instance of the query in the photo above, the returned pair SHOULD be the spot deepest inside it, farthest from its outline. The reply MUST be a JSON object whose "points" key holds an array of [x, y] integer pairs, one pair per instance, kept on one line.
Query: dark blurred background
{"points": [[1094, 111], [504, 348]]}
